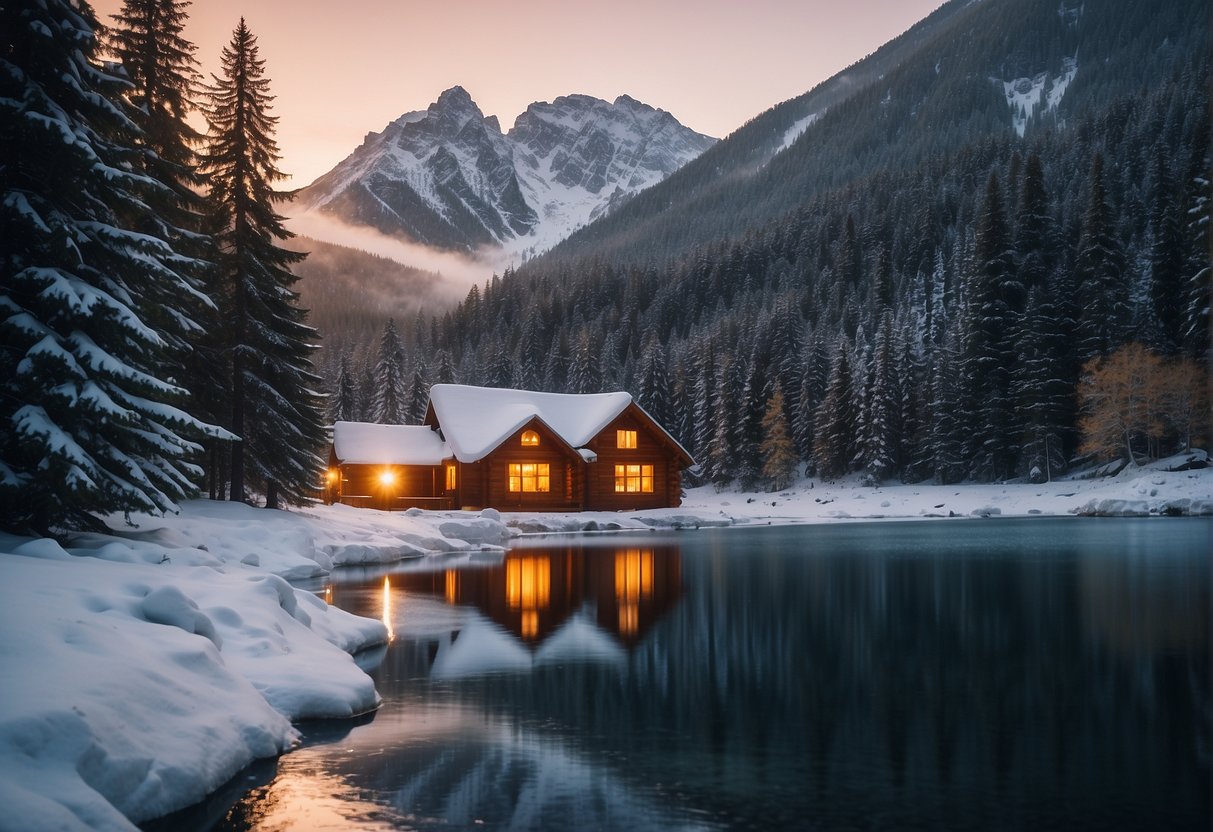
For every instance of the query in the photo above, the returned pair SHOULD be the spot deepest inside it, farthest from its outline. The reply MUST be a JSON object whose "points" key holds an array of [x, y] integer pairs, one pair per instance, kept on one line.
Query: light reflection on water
{"points": [[1028, 674]]}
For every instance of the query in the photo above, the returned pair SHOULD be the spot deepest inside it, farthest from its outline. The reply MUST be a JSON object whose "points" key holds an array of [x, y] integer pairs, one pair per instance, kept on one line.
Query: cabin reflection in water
{"points": [[535, 593]]}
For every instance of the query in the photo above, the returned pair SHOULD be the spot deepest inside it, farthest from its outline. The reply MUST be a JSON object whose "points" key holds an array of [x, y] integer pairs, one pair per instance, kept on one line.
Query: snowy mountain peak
{"points": [[448, 177]]}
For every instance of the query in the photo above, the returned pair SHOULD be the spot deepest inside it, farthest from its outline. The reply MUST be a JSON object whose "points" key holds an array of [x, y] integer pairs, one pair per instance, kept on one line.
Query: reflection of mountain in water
{"points": [[538, 606]]}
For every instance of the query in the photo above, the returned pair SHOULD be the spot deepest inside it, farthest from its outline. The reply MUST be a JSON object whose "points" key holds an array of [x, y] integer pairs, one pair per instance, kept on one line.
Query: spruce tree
{"points": [[390, 402], [720, 457], [345, 403], [778, 452], [1102, 291], [883, 406], [586, 374], [834, 434], [653, 386], [89, 421], [990, 344], [1167, 278], [418, 395], [274, 407]]}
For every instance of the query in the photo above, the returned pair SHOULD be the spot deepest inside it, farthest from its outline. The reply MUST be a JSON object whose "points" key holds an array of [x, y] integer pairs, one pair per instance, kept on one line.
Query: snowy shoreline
{"points": [[144, 668]]}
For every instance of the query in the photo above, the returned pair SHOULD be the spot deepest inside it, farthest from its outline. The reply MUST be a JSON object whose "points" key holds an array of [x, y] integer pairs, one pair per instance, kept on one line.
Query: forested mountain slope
{"points": [[915, 285]]}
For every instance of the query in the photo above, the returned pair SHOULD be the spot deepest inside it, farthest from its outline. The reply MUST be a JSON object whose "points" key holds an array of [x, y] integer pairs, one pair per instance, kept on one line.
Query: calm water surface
{"points": [[1010, 674]]}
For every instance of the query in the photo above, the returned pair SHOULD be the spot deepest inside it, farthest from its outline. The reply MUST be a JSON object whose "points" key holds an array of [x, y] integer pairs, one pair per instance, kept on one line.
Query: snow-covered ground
{"points": [[141, 669], [1136, 491]]}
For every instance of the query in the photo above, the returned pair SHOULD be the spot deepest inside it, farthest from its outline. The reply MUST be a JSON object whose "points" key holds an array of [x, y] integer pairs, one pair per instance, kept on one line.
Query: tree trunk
{"points": [[271, 494]]}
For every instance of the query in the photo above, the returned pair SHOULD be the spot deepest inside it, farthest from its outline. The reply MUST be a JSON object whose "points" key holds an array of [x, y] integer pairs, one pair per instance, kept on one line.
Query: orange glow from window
{"points": [[452, 586], [528, 587], [387, 609], [634, 574], [450, 478], [633, 583], [625, 439], [530, 477], [530, 439], [633, 479]]}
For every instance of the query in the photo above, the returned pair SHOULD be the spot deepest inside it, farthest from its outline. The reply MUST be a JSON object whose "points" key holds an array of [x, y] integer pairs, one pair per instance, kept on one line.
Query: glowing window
{"points": [[530, 439], [625, 439], [450, 478], [632, 479], [531, 477]]}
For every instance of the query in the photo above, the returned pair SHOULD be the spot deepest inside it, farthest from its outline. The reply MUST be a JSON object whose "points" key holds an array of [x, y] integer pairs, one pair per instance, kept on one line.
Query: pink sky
{"points": [[341, 68]]}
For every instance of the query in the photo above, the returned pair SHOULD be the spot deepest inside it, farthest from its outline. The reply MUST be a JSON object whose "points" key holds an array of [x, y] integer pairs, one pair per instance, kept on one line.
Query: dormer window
{"points": [[530, 439], [625, 439]]}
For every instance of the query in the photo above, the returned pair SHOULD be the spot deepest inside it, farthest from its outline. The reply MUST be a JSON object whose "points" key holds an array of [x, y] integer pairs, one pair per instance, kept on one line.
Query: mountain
{"points": [[923, 255], [967, 72], [449, 178]]}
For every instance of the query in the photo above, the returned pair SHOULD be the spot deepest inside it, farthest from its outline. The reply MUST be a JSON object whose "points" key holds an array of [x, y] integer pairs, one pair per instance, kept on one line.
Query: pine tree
{"points": [[274, 408], [720, 457], [89, 421], [345, 403], [418, 396], [1102, 291], [812, 388], [1167, 278], [445, 374], [1043, 393], [834, 434], [653, 386], [587, 369], [990, 344], [779, 458], [883, 406], [390, 400], [1196, 323]]}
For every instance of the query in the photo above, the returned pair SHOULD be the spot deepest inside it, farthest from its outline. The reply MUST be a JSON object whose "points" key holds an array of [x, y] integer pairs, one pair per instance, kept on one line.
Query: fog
{"points": [[458, 272]]}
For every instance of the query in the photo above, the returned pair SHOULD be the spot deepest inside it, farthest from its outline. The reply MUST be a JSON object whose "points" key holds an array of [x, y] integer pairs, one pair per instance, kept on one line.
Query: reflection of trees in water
{"points": [[897, 674]]}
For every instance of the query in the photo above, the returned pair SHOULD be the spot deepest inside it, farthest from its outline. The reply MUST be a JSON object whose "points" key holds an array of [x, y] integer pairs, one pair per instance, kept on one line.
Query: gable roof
{"points": [[364, 443], [476, 420]]}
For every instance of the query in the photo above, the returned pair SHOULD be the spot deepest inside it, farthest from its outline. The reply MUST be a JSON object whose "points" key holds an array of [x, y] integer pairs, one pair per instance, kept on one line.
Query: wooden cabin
{"points": [[386, 467], [512, 450]]}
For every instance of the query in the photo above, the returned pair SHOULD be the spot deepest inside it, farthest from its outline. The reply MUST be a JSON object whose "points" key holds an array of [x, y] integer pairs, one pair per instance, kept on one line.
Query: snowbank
{"points": [[1160, 488], [142, 669]]}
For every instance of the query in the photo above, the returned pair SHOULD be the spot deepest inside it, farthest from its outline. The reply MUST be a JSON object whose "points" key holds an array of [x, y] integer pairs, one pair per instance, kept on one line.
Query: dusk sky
{"points": [[341, 69]]}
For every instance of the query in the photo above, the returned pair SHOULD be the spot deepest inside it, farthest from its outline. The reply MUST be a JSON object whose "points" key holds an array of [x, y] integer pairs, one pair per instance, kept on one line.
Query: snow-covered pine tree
{"points": [[556, 365], [704, 397], [1043, 393], [275, 406], [344, 406], [720, 458], [445, 374], [815, 374], [1101, 290], [990, 344], [751, 407], [1167, 278], [948, 427], [1197, 265], [883, 405], [779, 459], [834, 434], [586, 374], [88, 422], [390, 401], [418, 395], [653, 386], [500, 370]]}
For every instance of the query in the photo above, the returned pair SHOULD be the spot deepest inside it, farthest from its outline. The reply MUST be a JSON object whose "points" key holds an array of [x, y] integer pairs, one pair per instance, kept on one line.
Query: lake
{"points": [[1048, 673]]}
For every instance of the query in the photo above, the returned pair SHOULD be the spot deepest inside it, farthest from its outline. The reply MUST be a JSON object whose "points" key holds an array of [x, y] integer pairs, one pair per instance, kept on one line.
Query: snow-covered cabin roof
{"points": [[364, 443], [475, 420]]}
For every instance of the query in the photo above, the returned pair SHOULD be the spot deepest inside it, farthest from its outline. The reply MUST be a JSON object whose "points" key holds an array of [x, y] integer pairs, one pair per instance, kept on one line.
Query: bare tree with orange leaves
{"points": [[1135, 399]]}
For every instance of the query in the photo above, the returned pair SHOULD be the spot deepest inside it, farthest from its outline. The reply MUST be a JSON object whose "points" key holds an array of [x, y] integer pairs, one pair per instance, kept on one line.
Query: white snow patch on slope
{"points": [[797, 129], [1025, 96]]}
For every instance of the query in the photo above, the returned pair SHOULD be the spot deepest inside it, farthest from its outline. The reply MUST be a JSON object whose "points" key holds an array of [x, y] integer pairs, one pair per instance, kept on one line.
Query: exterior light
{"points": [[332, 475], [387, 478]]}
